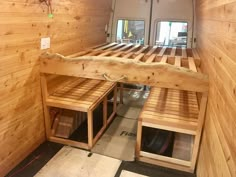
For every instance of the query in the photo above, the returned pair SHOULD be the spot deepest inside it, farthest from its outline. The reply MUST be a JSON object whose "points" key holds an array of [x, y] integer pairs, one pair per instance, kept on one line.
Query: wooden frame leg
{"points": [[105, 111], [121, 93], [47, 118], [90, 129], [199, 130], [139, 138], [115, 99], [47, 121]]}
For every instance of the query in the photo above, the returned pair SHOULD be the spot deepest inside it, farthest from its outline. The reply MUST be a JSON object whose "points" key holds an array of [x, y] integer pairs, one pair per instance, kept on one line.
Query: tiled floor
{"points": [[40, 157], [53, 161], [73, 162]]}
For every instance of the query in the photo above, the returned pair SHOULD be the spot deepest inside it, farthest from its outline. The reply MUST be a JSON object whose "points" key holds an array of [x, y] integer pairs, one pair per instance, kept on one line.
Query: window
{"points": [[130, 31], [169, 33]]}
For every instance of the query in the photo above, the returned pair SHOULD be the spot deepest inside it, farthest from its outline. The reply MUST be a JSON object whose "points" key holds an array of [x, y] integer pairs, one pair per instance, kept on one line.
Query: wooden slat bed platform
{"points": [[150, 65]]}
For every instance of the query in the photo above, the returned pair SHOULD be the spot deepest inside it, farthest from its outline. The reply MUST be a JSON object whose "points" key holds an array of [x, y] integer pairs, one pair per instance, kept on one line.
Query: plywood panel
{"points": [[76, 25], [216, 40]]}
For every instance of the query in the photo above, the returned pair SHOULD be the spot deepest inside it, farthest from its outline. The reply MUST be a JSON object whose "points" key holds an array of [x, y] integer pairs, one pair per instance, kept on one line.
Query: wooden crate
{"points": [[176, 111], [77, 94], [66, 122]]}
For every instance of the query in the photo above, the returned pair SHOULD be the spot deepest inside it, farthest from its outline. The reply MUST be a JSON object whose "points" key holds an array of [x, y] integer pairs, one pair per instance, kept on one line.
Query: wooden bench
{"points": [[176, 111], [78, 94]]}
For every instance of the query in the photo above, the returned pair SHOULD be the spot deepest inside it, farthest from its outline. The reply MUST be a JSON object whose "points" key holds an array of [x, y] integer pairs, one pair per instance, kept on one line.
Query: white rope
{"points": [[114, 80]]}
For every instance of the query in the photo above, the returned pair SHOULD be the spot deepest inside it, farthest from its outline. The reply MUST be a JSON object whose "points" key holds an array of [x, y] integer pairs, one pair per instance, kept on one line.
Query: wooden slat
{"points": [[139, 57], [117, 54], [166, 159], [192, 65], [150, 52], [100, 45], [175, 125], [80, 53], [128, 55], [141, 50], [161, 53], [173, 51], [165, 164], [132, 49], [125, 47], [93, 53], [116, 47], [151, 58], [178, 61], [196, 57], [106, 46], [87, 51], [105, 53], [164, 59], [184, 53]]}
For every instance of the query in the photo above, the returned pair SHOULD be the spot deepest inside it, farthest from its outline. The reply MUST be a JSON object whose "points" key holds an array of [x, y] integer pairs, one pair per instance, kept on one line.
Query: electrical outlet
{"points": [[45, 43]]}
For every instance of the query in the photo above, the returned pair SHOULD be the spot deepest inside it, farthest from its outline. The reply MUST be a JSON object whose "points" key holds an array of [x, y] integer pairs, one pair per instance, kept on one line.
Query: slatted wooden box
{"points": [[65, 122], [176, 111], [81, 95]]}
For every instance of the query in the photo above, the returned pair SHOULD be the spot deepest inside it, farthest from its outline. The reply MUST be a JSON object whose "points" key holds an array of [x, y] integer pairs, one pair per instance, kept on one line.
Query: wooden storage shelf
{"points": [[181, 153], [176, 111], [173, 110], [78, 94]]}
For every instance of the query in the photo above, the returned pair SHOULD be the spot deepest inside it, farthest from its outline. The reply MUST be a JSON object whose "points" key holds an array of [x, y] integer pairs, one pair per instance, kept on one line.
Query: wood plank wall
{"points": [[216, 43], [76, 24]]}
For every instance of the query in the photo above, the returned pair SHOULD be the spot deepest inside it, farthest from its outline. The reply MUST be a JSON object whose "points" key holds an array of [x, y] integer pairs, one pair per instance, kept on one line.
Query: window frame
{"points": [[131, 19], [173, 20]]}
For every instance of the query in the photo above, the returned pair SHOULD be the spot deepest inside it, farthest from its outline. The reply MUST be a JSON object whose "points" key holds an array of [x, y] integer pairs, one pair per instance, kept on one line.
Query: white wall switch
{"points": [[45, 43]]}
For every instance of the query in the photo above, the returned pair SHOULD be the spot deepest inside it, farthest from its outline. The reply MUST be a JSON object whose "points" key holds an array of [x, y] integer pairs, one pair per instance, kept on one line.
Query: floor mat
{"points": [[74, 162], [125, 173], [119, 140], [128, 111]]}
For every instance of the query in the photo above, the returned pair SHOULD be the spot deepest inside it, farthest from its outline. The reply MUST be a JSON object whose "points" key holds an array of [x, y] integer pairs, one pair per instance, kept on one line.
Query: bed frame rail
{"points": [[175, 68]]}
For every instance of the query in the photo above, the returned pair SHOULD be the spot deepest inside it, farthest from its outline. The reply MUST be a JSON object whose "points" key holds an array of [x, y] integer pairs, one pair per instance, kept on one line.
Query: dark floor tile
{"points": [[151, 170], [36, 160]]}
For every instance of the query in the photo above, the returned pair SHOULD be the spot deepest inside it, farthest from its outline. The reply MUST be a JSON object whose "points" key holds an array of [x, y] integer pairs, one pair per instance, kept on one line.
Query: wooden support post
{"points": [[105, 111], [201, 117], [90, 129], [139, 138], [115, 99], [47, 118], [121, 93]]}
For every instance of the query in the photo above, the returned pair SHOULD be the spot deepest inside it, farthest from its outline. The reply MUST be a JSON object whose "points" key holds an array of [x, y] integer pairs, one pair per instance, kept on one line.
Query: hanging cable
{"points": [[49, 5]]}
